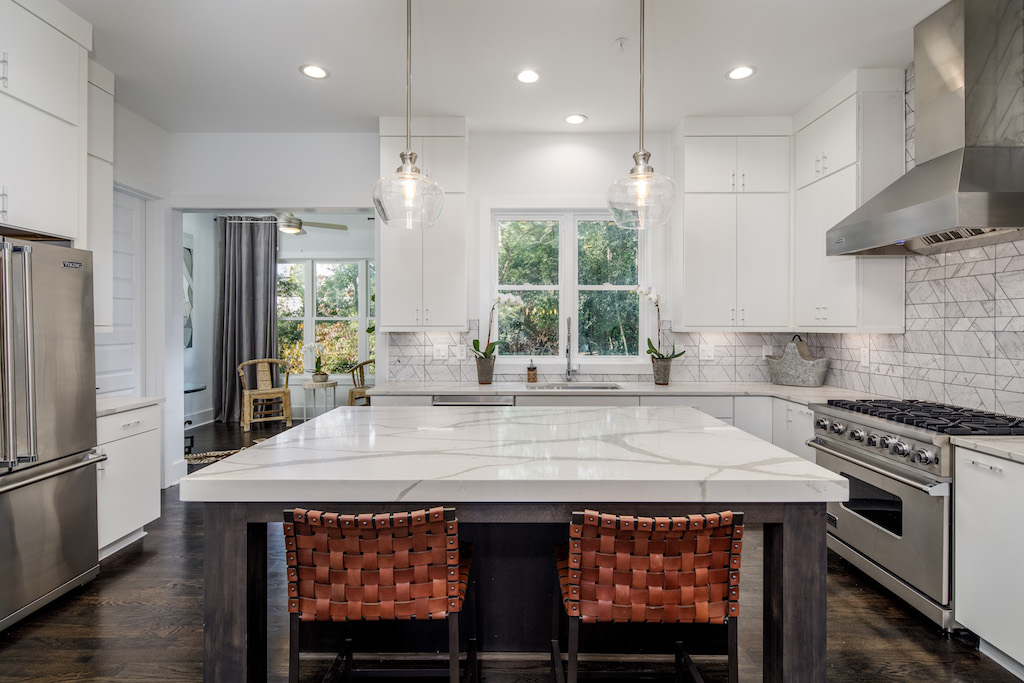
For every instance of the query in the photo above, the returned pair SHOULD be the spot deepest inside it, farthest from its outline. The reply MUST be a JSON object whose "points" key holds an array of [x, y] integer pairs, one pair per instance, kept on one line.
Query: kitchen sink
{"points": [[574, 386]]}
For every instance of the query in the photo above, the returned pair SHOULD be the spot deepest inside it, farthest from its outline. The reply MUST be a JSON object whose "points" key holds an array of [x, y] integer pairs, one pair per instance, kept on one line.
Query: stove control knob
{"points": [[838, 428], [886, 442], [822, 423], [901, 449], [923, 456], [857, 435], [873, 440]]}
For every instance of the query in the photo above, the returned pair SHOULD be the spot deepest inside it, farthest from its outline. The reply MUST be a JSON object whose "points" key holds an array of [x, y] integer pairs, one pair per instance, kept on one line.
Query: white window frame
{"points": [[309, 317], [568, 287]]}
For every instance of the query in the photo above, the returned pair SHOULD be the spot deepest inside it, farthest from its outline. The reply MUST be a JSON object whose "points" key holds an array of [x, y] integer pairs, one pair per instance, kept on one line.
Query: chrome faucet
{"points": [[569, 372]]}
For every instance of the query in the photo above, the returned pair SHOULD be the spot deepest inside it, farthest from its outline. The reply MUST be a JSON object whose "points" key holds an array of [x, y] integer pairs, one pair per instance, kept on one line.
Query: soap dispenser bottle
{"points": [[531, 372]]}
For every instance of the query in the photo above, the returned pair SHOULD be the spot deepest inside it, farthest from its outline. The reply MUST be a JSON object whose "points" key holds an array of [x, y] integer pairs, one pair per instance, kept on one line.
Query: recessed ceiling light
{"points": [[314, 71], [527, 76], [741, 72], [575, 119]]}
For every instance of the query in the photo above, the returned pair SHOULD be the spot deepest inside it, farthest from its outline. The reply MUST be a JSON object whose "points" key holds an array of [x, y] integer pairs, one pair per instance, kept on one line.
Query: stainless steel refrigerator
{"points": [[48, 537]]}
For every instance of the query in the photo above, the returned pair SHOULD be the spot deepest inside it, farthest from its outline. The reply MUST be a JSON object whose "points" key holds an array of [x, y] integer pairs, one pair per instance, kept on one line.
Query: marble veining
{"points": [[572, 454]]}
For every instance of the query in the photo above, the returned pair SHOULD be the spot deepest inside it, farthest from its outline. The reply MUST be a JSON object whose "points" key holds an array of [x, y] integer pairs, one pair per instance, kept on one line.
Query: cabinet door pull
{"points": [[743, 314], [3, 70], [824, 163], [732, 314], [732, 180], [994, 468], [824, 312], [817, 166], [426, 316], [743, 181], [3, 203]]}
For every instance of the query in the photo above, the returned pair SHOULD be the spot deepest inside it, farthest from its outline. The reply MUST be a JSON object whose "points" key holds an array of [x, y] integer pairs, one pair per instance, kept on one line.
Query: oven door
{"points": [[899, 521]]}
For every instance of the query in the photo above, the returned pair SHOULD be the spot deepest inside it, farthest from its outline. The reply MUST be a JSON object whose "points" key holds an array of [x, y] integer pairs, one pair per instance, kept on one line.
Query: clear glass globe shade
{"points": [[408, 200], [642, 200]]}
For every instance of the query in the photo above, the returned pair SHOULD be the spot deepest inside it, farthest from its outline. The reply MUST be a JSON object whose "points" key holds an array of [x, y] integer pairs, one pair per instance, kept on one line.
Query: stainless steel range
{"points": [[897, 525]]}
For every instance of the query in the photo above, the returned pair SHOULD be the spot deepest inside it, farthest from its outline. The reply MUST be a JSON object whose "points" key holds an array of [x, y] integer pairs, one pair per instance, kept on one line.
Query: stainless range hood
{"points": [[968, 186]]}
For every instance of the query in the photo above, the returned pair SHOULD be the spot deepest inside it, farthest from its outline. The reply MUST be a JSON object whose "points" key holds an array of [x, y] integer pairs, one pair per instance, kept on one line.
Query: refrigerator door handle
{"points": [[30, 366], [96, 457], [7, 404]]}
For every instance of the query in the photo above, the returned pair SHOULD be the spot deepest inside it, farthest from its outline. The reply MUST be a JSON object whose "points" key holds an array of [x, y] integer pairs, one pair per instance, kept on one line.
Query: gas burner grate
{"points": [[936, 417]]}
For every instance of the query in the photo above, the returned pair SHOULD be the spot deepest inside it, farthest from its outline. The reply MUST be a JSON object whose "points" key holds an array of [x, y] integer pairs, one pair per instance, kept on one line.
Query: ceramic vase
{"points": [[662, 369], [485, 369], [319, 377]]}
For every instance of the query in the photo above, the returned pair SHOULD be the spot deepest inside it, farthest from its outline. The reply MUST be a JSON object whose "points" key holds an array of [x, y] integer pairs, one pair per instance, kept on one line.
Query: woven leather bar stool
{"points": [[669, 570], [371, 567]]}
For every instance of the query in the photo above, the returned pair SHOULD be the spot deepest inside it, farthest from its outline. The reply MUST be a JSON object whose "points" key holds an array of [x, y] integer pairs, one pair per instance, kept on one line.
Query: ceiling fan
{"points": [[291, 224]]}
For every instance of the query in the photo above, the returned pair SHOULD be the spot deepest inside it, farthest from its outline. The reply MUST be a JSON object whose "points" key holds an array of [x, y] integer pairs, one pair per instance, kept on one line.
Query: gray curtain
{"points": [[245, 296]]}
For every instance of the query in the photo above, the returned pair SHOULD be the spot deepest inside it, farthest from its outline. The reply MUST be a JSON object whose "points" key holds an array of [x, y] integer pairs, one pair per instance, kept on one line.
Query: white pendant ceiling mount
{"points": [[408, 199], [643, 199]]}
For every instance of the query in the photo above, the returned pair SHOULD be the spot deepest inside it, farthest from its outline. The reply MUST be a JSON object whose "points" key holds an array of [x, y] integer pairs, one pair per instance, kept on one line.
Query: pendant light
{"points": [[408, 199], [643, 199]]}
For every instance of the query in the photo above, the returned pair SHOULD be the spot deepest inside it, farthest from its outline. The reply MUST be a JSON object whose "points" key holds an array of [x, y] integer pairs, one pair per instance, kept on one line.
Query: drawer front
{"points": [[715, 406], [121, 425]]}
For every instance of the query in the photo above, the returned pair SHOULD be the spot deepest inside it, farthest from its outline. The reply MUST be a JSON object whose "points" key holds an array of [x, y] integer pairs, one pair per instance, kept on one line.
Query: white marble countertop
{"points": [[120, 404], [561, 454], [1006, 447], [804, 395]]}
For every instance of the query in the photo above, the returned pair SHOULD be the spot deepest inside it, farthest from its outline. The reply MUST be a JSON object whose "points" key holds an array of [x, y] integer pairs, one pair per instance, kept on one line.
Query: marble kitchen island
{"points": [[515, 466]]}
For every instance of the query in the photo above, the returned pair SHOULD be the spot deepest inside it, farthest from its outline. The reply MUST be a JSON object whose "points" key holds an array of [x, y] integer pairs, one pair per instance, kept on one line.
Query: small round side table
{"points": [[309, 388]]}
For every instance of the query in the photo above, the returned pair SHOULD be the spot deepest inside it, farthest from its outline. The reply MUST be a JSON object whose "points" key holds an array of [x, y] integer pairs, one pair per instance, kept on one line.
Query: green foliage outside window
{"points": [[606, 315]]}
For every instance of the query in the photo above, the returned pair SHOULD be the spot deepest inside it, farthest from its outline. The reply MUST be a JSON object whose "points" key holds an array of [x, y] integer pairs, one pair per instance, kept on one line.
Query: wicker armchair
{"points": [[374, 567], [265, 402], [668, 570]]}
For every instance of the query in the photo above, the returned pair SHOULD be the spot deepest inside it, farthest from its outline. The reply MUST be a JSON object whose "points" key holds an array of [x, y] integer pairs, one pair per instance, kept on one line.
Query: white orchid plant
{"points": [[491, 346], [655, 298], [318, 351]]}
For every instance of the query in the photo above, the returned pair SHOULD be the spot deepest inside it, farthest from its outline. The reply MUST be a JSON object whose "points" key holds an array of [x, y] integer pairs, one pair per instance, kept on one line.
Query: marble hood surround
{"points": [[967, 188]]}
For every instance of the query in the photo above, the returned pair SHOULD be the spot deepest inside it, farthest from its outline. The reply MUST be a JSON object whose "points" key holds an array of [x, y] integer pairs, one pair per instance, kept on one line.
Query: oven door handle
{"points": [[937, 489]]}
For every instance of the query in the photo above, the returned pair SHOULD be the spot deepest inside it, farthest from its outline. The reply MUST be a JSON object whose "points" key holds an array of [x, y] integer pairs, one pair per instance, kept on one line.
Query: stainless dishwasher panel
{"points": [[473, 400], [48, 539]]}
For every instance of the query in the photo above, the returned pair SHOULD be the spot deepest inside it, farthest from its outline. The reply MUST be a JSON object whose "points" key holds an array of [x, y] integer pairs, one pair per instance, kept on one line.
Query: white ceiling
{"points": [[232, 65]]}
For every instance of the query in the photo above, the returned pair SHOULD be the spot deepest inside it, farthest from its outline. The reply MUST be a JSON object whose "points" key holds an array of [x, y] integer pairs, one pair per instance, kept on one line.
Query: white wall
{"points": [[142, 153], [273, 170], [199, 229], [566, 170]]}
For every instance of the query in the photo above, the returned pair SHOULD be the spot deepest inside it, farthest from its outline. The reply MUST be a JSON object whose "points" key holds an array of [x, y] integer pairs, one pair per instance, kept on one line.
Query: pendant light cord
{"points": [[408, 76], [642, 2]]}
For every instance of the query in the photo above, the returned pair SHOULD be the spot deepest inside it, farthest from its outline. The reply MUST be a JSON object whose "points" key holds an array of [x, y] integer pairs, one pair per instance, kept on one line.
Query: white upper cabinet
{"points": [[423, 273], [41, 66], [39, 170], [843, 157], [736, 164], [828, 144], [735, 261]]}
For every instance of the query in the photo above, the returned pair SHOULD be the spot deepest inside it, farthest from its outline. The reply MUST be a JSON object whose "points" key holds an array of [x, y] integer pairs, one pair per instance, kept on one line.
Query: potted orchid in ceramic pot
{"points": [[485, 356], [317, 350], [661, 361]]}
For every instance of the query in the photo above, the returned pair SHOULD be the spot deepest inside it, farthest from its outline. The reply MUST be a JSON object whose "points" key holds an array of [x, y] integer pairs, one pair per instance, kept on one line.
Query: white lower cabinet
{"points": [[529, 400], [792, 426], [987, 554], [753, 414], [716, 406], [128, 481]]}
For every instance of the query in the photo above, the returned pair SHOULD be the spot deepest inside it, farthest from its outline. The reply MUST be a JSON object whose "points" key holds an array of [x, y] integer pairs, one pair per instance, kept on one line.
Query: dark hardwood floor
{"points": [[141, 619]]}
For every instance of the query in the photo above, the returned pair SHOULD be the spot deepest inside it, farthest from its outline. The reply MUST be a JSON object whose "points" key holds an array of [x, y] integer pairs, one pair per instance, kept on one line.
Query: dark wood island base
{"points": [[794, 612]]}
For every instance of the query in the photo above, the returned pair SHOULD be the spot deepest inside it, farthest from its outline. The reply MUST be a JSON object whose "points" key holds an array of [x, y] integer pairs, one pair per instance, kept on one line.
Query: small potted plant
{"points": [[662, 362], [485, 356], [318, 353]]}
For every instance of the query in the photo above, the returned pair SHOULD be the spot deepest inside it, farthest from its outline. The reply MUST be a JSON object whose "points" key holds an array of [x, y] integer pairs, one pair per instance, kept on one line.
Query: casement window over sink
{"points": [[567, 265], [329, 302]]}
